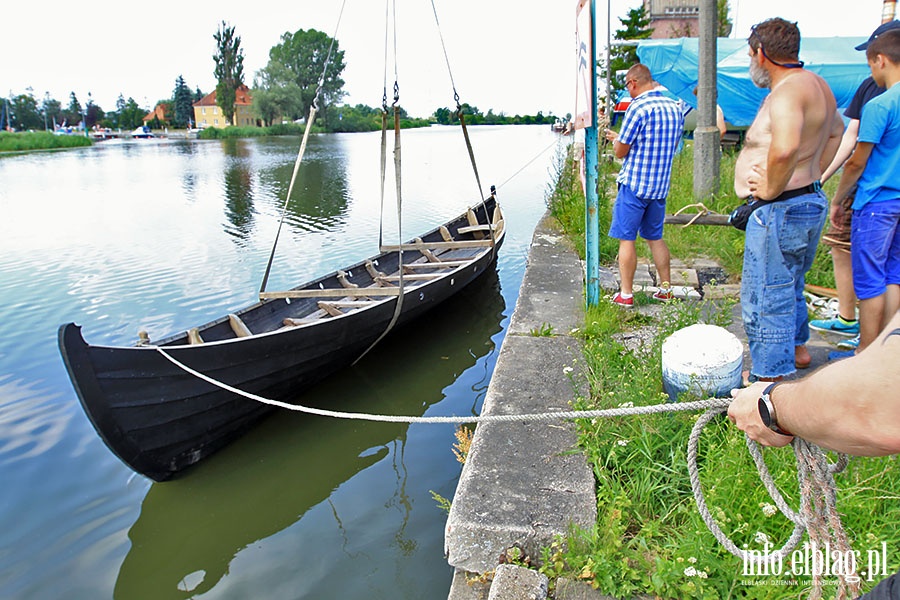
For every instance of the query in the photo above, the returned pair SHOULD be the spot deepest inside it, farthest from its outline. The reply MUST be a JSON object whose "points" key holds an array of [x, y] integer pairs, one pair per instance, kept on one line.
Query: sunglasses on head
{"points": [[793, 65]]}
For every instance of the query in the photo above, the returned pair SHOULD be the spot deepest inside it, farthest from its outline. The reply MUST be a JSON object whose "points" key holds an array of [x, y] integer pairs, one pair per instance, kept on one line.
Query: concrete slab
{"points": [[569, 589], [552, 290], [520, 485], [468, 586], [518, 583]]}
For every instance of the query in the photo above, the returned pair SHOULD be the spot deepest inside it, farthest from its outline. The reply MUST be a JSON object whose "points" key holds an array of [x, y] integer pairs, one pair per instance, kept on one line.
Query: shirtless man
{"points": [[792, 140]]}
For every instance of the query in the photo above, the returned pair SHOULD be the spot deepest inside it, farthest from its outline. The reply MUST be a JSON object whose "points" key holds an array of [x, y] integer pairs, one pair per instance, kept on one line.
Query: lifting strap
{"points": [[462, 122], [398, 307], [309, 123]]}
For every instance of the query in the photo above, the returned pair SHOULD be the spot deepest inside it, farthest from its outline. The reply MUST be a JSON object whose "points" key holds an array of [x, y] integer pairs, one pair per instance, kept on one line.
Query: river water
{"points": [[162, 235]]}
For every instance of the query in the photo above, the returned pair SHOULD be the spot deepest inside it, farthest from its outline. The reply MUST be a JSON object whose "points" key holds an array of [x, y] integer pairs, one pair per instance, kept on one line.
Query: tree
{"points": [[72, 114], [229, 71], [183, 103], [51, 109], [444, 116], [300, 59], [131, 115], [276, 95], [723, 28], [25, 114], [634, 27], [93, 114]]}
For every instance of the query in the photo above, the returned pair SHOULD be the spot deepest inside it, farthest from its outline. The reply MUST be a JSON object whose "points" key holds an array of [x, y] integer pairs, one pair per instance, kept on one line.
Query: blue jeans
{"points": [[781, 243]]}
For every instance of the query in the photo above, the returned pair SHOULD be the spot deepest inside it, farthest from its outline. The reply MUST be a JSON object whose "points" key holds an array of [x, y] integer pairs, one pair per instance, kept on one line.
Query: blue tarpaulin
{"points": [[674, 63]]}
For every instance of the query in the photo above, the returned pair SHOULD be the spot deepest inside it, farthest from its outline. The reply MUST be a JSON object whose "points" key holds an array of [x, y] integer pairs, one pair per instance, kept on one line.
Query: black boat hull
{"points": [[159, 419]]}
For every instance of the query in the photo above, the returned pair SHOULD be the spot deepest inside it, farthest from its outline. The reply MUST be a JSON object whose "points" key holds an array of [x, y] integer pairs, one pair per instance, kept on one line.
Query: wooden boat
{"points": [[160, 419]]}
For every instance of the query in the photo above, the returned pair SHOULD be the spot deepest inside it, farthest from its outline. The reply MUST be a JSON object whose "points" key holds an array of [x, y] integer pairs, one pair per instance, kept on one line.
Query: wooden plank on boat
{"points": [[331, 293], [194, 336], [445, 234], [373, 272], [472, 228], [413, 277], [444, 264], [342, 277], [291, 322], [441, 245], [424, 251], [238, 326], [330, 308], [473, 222], [352, 303]]}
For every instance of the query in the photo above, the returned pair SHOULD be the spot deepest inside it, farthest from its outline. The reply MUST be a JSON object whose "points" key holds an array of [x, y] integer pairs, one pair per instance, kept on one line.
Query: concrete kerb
{"points": [[520, 486]]}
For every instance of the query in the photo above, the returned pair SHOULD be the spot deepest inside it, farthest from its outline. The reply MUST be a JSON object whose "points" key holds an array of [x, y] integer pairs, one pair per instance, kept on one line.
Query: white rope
{"points": [[818, 513], [548, 416]]}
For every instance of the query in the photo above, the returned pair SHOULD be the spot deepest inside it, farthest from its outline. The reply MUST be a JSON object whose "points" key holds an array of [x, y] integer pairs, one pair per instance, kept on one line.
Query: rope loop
{"points": [[694, 472]]}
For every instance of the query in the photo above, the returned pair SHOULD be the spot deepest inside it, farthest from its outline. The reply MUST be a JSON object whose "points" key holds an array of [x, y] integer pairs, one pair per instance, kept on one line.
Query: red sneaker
{"points": [[623, 302], [663, 295]]}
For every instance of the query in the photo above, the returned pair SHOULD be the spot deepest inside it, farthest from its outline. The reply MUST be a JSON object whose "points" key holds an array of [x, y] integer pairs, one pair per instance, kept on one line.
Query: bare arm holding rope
{"points": [[850, 406]]}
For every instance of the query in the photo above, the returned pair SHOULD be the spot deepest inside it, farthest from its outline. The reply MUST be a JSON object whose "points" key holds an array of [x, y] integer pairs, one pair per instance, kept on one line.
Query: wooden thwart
{"points": [[412, 277], [352, 303], [444, 264], [331, 309], [424, 251], [472, 228], [440, 245], [331, 293]]}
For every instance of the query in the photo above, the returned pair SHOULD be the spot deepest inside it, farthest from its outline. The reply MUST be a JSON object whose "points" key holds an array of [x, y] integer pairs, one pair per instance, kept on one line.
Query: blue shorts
{"points": [[875, 248], [633, 215]]}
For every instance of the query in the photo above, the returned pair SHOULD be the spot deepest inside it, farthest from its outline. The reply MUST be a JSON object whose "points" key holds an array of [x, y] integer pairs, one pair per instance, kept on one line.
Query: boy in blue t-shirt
{"points": [[875, 235]]}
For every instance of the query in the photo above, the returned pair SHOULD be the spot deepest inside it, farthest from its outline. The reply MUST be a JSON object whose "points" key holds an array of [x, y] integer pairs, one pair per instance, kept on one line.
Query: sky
{"points": [[511, 57]]}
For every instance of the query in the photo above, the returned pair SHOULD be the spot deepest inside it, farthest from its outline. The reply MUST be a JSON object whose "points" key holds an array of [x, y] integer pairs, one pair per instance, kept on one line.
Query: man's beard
{"points": [[759, 76]]}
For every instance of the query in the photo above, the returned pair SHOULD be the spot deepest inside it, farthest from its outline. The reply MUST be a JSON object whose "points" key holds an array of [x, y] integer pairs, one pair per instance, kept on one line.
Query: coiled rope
{"points": [[818, 513]]}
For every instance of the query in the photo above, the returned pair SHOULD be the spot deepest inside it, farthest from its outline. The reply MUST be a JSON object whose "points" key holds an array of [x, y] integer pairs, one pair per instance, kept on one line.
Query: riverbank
{"points": [[39, 140], [524, 485]]}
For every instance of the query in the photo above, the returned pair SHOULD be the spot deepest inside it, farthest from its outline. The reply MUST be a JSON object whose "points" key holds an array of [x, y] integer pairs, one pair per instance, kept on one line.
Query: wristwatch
{"points": [[767, 411]]}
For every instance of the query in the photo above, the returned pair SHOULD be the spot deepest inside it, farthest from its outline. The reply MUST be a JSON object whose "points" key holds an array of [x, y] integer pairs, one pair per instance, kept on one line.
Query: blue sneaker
{"points": [[840, 354], [836, 325], [851, 344]]}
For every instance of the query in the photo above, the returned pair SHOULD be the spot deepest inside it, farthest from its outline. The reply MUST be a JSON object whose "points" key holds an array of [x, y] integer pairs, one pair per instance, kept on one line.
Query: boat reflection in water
{"points": [[191, 530]]}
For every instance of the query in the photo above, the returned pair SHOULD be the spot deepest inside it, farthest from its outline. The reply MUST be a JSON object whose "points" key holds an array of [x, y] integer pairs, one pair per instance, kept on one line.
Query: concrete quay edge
{"points": [[521, 485]]}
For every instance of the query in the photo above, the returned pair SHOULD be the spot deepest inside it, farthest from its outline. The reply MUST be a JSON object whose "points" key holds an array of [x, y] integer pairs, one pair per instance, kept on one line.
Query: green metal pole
{"points": [[592, 225]]}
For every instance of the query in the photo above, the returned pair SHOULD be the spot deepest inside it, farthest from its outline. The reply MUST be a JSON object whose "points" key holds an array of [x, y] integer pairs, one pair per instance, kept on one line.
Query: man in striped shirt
{"points": [[649, 137]]}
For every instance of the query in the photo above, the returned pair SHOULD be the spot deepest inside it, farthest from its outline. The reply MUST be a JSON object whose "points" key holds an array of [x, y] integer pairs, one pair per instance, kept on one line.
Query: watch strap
{"points": [[767, 410]]}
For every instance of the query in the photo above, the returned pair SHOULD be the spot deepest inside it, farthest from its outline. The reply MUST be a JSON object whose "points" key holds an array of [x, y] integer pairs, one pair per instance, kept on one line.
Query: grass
{"points": [[649, 537], [39, 140]]}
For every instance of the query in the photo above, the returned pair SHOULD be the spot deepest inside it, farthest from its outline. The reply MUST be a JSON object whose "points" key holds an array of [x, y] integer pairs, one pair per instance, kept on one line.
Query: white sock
{"points": [[625, 296]]}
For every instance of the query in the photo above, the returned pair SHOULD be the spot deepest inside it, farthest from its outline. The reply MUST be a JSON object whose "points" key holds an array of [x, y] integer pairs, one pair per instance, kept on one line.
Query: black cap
{"points": [[881, 29]]}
